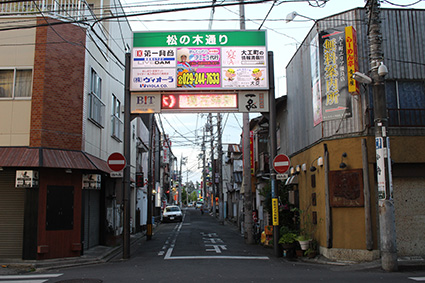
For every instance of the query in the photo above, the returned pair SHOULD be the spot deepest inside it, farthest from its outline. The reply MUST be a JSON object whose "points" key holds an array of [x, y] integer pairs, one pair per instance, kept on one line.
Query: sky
{"points": [[283, 38]]}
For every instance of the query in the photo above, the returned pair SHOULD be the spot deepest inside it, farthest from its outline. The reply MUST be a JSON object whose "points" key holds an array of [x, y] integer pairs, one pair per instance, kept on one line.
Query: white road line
{"points": [[217, 257], [37, 276], [26, 281], [417, 278], [168, 254]]}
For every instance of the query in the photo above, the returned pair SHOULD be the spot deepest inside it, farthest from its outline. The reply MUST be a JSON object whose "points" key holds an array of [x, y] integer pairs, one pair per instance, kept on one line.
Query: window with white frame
{"points": [[96, 105], [15, 83], [116, 122]]}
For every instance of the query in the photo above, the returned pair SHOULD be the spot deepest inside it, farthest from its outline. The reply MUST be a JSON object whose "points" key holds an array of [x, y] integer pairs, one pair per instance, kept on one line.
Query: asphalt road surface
{"points": [[199, 249]]}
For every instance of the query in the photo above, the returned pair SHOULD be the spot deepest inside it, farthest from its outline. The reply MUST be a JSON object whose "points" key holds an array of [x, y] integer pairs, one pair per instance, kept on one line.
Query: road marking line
{"points": [[217, 257], [26, 281], [168, 254], [417, 278], [30, 276]]}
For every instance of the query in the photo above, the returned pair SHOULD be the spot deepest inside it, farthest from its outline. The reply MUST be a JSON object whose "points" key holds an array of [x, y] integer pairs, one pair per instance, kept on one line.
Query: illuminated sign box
{"points": [[199, 101], [199, 60], [242, 101]]}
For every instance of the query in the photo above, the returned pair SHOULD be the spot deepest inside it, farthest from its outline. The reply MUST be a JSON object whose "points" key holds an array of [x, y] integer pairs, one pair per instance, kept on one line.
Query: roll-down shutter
{"points": [[11, 216]]}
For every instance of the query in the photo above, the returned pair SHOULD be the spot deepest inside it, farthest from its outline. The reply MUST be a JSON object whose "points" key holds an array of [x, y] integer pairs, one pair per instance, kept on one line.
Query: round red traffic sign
{"points": [[281, 163], [116, 161]]}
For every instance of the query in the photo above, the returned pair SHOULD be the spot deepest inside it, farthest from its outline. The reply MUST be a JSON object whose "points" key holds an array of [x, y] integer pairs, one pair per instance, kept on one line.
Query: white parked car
{"points": [[172, 213]]}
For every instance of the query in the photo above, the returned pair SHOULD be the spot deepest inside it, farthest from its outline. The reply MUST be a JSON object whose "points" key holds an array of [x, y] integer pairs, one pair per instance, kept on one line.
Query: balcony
{"points": [[403, 117], [71, 10], [406, 117]]}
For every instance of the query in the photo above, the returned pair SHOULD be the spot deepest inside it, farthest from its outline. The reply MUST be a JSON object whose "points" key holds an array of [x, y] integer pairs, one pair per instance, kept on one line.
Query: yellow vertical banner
{"points": [[275, 214], [352, 59]]}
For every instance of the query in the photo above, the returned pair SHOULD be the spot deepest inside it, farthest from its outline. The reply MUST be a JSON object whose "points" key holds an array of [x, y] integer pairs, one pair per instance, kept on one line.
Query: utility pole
{"points": [[179, 190], [151, 178], [220, 170], [248, 231], [213, 194], [204, 172], [126, 177], [388, 242], [273, 153]]}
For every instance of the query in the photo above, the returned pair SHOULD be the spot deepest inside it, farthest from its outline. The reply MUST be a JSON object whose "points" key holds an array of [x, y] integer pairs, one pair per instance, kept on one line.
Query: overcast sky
{"points": [[185, 130]]}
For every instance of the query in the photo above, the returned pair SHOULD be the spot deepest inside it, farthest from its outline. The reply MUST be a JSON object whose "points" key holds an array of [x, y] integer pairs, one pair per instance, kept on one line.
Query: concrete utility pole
{"points": [[383, 161], [220, 170], [273, 153], [151, 179], [126, 175], [204, 172], [213, 193], [246, 159]]}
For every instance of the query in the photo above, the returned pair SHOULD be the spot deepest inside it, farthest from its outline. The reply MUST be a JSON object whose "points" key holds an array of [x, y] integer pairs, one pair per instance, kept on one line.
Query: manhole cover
{"points": [[82, 280]]}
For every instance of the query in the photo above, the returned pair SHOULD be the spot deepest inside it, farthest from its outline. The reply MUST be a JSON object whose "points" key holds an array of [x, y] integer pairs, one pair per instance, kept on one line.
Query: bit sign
{"points": [[281, 163]]}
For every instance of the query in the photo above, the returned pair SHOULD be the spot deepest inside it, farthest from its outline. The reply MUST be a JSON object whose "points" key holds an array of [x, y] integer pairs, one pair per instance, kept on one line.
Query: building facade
{"points": [[62, 95], [333, 155]]}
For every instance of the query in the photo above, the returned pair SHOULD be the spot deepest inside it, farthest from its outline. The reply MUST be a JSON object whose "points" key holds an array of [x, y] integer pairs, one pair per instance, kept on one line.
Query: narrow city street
{"points": [[199, 249]]}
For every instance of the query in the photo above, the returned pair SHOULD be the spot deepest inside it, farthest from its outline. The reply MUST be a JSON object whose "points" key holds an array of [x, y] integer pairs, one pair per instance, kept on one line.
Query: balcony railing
{"points": [[403, 117], [406, 117], [75, 10]]}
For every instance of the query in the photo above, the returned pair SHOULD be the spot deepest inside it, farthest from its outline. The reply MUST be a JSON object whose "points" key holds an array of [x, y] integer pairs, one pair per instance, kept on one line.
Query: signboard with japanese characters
{"points": [[336, 99], [241, 101], [26, 179], [204, 60], [92, 181]]}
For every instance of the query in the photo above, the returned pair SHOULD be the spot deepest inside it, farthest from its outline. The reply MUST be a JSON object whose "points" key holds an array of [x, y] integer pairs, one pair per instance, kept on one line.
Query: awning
{"points": [[293, 180], [50, 158]]}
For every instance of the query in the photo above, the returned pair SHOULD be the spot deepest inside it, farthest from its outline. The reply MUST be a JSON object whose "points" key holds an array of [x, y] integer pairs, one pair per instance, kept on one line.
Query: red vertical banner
{"points": [[251, 151]]}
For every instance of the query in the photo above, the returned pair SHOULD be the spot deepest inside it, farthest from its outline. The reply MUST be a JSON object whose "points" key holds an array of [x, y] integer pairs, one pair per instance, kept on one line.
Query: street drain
{"points": [[85, 280]]}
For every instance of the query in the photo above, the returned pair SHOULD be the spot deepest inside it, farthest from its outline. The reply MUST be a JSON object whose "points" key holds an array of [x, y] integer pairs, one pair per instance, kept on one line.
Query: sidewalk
{"points": [[404, 263], [95, 255]]}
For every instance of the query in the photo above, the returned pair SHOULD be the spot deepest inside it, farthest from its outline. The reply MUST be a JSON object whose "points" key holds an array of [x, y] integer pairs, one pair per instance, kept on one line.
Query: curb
{"points": [[26, 266]]}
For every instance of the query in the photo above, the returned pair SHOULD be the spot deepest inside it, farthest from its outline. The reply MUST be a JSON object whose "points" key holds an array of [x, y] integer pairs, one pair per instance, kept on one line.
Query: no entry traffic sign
{"points": [[281, 163], [116, 161]]}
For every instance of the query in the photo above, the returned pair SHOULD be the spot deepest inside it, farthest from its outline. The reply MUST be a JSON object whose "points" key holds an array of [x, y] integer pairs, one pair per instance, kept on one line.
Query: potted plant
{"points": [[304, 241], [288, 241]]}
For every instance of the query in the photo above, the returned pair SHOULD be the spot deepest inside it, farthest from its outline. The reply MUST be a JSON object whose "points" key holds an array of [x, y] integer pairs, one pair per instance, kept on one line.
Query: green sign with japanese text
{"points": [[199, 38]]}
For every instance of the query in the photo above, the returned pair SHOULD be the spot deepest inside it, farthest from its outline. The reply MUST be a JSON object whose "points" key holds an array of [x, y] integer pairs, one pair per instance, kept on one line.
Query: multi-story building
{"points": [[330, 136], [62, 96]]}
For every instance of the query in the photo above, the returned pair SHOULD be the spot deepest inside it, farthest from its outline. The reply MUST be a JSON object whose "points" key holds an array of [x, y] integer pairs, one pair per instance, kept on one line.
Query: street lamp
{"points": [[291, 16]]}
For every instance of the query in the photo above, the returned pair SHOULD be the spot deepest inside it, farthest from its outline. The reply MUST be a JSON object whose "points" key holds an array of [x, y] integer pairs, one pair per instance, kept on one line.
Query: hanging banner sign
{"points": [[336, 100], [352, 59]]}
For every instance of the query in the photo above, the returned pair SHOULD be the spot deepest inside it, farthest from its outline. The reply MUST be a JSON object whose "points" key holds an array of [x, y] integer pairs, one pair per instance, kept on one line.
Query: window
{"points": [[15, 83], [116, 122], [96, 106], [405, 103]]}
